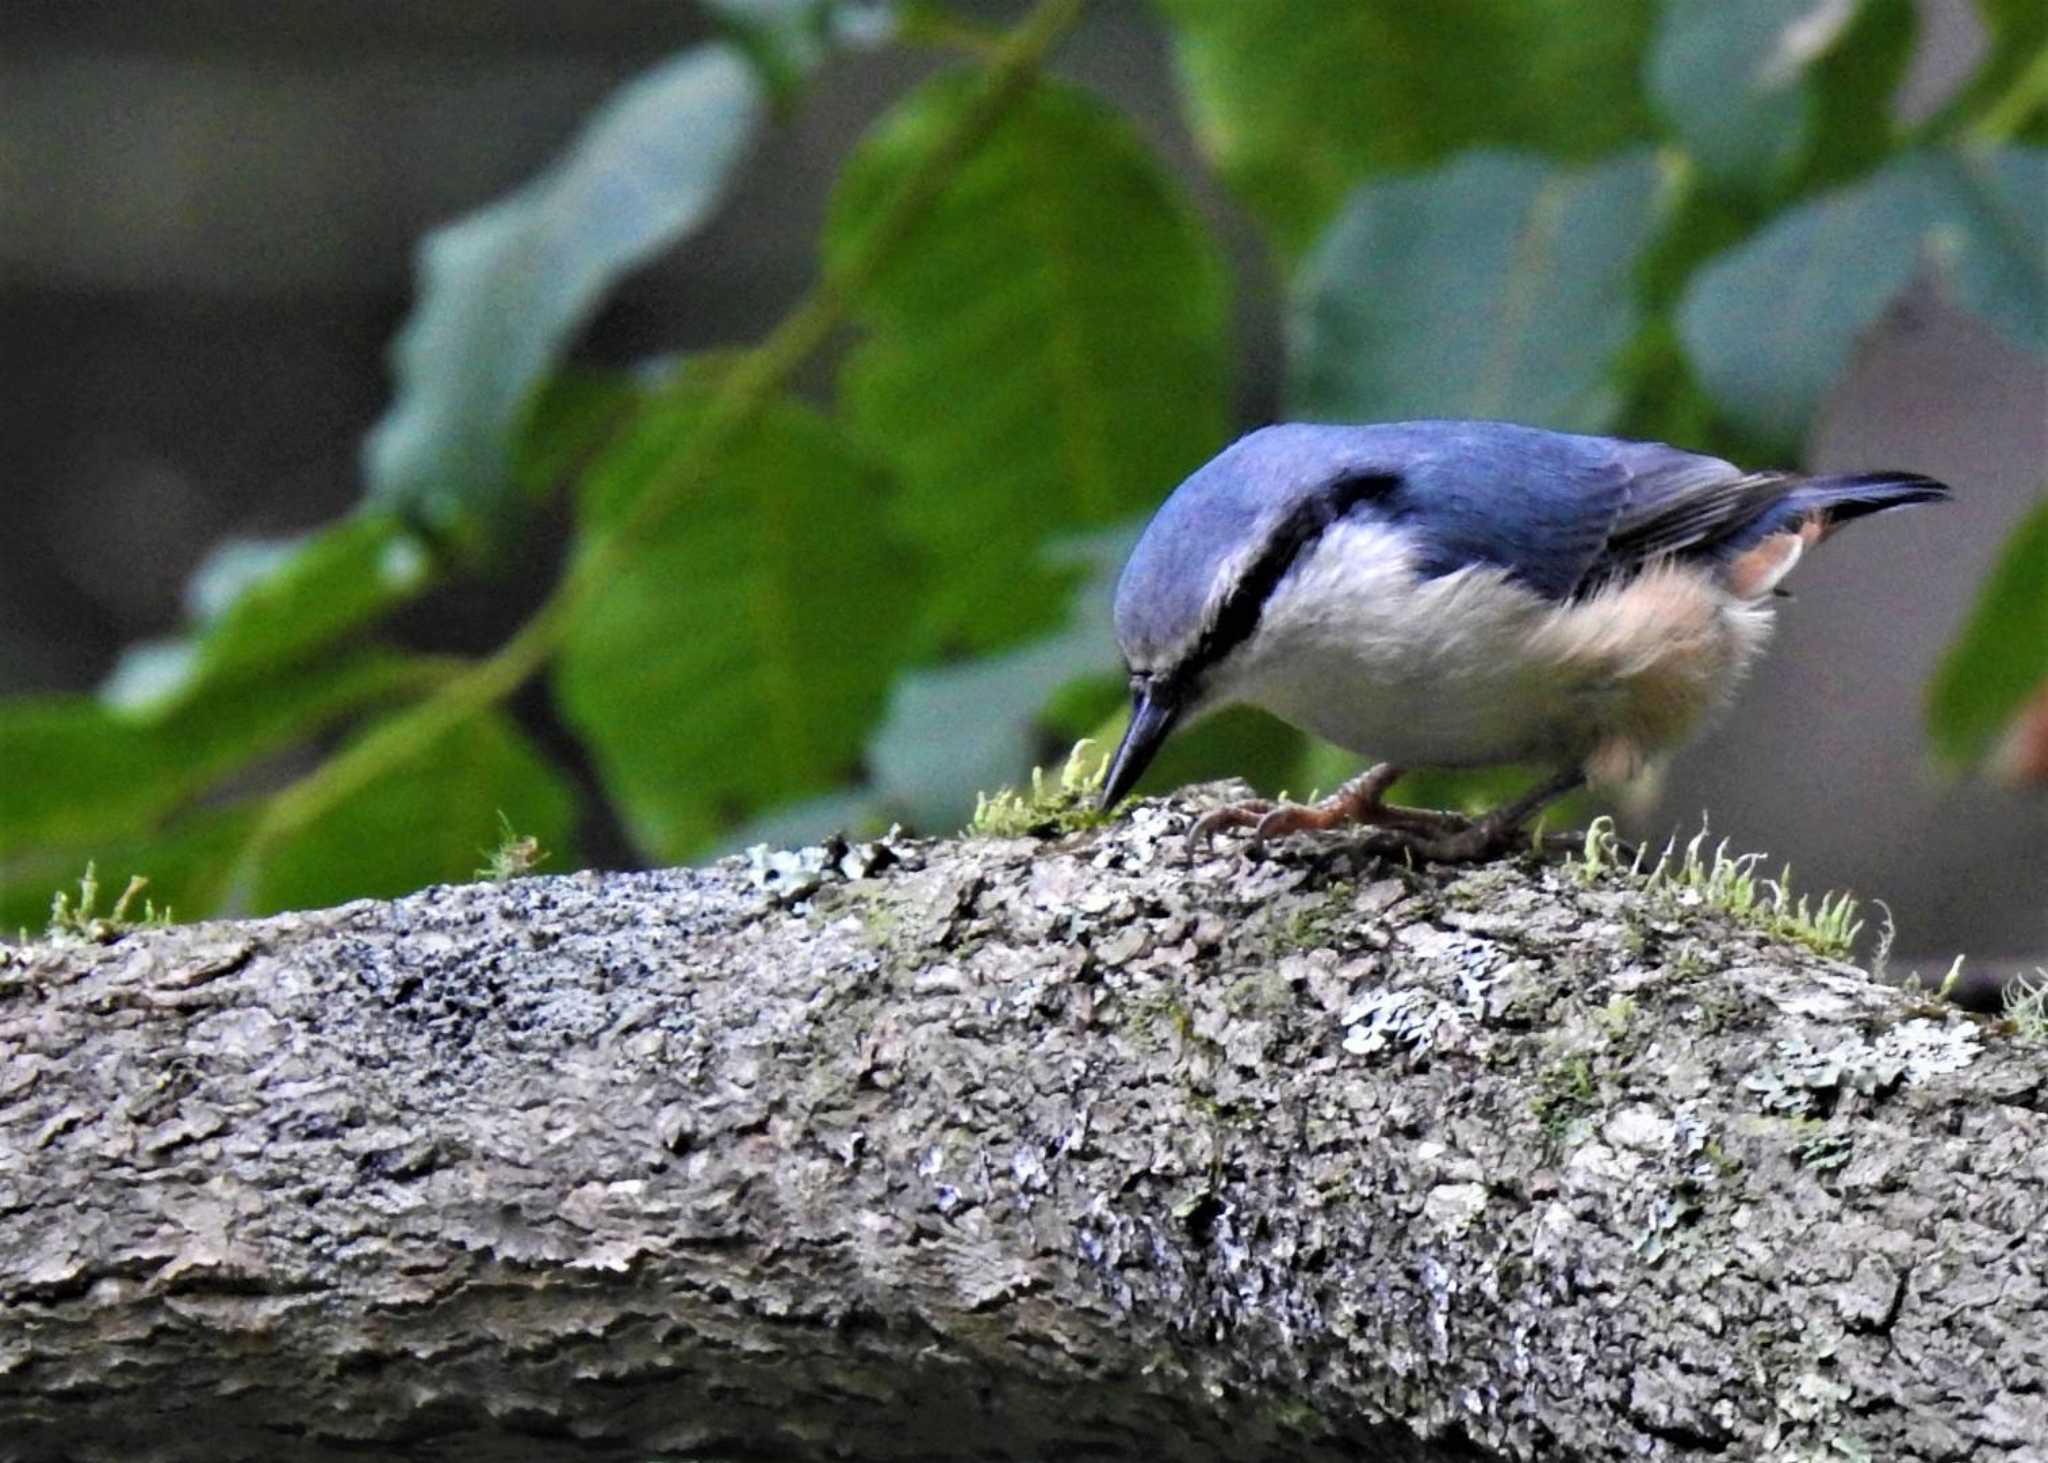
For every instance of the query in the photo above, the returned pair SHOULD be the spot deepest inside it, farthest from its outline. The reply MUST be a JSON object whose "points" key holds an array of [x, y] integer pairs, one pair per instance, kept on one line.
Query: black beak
{"points": [[1152, 718]]}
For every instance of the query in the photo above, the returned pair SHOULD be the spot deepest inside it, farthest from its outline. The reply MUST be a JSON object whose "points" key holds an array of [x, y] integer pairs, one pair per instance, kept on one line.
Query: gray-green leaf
{"points": [[1500, 285], [503, 291], [954, 731], [1770, 324], [1730, 77]]}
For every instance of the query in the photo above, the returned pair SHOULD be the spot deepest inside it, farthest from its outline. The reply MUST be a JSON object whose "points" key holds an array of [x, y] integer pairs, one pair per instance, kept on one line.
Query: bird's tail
{"points": [[1811, 509], [1835, 500]]}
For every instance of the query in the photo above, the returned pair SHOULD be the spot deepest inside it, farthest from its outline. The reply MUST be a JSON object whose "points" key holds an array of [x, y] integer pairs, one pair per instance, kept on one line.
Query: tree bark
{"points": [[1005, 1149]]}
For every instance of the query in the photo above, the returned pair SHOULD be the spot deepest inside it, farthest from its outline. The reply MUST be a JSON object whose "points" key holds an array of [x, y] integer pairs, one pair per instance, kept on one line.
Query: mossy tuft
{"points": [[1053, 807], [516, 855], [1693, 876], [2026, 1005], [81, 922], [1565, 1092]]}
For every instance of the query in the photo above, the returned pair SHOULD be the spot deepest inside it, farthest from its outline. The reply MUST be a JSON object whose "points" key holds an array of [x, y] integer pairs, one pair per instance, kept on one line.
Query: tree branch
{"points": [[1006, 1150]]}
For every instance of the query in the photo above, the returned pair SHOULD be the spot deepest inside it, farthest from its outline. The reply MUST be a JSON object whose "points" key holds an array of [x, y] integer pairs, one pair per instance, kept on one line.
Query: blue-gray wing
{"points": [[1556, 510], [1675, 513], [1565, 514]]}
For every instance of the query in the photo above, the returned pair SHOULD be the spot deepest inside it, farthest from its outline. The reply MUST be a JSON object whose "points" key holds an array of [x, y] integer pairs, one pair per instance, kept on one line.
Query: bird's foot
{"points": [[1362, 800], [1433, 837]]}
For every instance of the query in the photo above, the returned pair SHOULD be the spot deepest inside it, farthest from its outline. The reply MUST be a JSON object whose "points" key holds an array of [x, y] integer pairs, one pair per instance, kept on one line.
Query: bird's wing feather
{"points": [[1564, 514], [1678, 504], [1540, 505]]}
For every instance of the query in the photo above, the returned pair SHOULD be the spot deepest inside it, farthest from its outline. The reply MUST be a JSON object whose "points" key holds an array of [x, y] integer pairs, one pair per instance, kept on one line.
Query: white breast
{"points": [[1471, 668]]}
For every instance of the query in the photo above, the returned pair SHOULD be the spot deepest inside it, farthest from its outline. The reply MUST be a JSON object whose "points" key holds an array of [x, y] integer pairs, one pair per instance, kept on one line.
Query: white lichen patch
{"points": [[1489, 984], [1813, 1396], [1825, 999], [1559, 1236], [1798, 1072], [1597, 1168], [1451, 1208], [1641, 1128], [1668, 1214], [1924, 1048], [790, 876], [1413, 1019]]}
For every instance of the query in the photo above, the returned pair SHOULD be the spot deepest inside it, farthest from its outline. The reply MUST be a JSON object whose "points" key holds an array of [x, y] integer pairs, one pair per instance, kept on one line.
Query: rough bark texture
{"points": [[1003, 1150]]}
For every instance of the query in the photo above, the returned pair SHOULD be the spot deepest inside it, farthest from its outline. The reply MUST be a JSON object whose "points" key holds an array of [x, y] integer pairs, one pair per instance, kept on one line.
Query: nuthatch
{"points": [[1462, 594]]}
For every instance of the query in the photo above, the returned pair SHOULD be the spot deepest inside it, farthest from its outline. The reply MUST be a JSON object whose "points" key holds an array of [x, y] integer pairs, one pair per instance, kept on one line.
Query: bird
{"points": [[1460, 594]]}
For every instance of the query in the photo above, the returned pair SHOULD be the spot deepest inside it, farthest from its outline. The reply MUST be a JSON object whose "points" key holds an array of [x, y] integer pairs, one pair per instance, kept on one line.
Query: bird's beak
{"points": [[1152, 718]]}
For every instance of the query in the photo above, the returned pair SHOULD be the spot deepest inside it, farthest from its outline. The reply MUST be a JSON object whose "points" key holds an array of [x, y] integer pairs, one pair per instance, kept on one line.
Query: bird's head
{"points": [[1190, 600]]}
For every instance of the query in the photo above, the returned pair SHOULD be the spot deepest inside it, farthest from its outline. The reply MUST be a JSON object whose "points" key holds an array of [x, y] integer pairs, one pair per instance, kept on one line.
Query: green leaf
{"points": [[433, 820], [741, 656], [2001, 658], [76, 771], [1500, 285], [265, 605], [1297, 100], [955, 731], [1730, 78], [1770, 324], [79, 771], [568, 423], [2008, 97], [1046, 351], [1855, 88], [504, 291]]}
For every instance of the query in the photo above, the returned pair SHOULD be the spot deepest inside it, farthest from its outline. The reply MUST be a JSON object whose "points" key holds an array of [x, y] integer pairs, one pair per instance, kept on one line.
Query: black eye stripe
{"points": [[1289, 540]]}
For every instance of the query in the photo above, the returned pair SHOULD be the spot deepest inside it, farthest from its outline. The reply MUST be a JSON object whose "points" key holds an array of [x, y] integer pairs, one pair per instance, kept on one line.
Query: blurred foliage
{"points": [[780, 616], [504, 292], [742, 653], [1299, 101], [1043, 350], [1501, 288], [2000, 664], [1770, 323]]}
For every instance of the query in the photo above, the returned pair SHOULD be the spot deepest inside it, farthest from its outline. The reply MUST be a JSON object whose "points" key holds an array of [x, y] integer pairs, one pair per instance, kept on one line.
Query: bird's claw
{"points": [[1251, 813], [1289, 818], [1421, 828]]}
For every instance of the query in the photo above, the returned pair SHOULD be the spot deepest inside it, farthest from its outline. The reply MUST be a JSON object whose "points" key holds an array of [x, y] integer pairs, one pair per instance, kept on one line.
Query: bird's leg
{"points": [[1496, 832], [1361, 800], [1440, 837]]}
